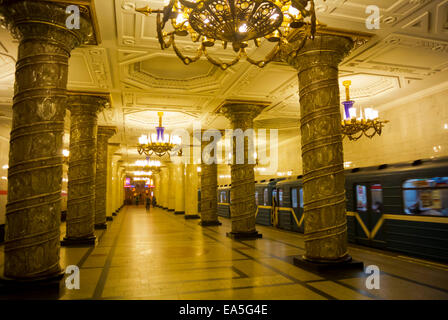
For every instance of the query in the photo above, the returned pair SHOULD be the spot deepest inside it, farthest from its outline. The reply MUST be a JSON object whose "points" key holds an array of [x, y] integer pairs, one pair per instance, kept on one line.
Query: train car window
{"points": [[280, 197], [361, 198], [294, 202], [265, 196], [301, 197], [256, 198], [427, 197], [376, 191], [274, 196]]}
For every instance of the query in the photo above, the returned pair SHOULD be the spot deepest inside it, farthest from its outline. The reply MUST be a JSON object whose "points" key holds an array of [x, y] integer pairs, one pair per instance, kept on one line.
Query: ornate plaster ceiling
{"points": [[407, 55]]}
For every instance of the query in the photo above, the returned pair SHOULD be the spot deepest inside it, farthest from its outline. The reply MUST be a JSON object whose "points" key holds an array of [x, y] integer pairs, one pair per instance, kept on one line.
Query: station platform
{"points": [[160, 255]]}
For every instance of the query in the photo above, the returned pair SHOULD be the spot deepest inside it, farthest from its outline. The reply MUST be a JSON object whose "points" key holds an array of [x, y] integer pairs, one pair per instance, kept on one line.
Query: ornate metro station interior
{"points": [[224, 150]]}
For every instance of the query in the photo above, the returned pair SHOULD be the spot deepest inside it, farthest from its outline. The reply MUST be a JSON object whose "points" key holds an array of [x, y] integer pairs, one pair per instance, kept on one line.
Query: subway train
{"points": [[400, 207]]}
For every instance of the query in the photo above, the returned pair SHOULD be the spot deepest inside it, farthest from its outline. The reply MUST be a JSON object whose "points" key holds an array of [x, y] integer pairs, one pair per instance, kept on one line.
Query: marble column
{"points": [[179, 207], [104, 134], [191, 192], [32, 233], [322, 154], [242, 192], [112, 159], [84, 108], [171, 187], [209, 191]]}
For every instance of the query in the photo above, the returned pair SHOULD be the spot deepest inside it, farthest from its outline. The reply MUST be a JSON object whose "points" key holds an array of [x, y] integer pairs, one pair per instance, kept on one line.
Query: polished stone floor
{"points": [[159, 255]]}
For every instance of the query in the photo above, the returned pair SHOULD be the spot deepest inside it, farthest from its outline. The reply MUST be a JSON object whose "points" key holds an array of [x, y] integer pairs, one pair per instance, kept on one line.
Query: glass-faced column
{"points": [[112, 159], [84, 108], [191, 191], [322, 154], [117, 188], [242, 191], [33, 210], [179, 191], [103, 136], [171, 187], [164, 183]]}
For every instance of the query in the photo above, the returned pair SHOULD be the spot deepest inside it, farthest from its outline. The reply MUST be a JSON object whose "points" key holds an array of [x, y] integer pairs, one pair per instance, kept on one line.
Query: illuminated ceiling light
{"points": [[152, 165], [233, 21], [65, 153], [243, 28], [142, 173], [5, 167], [147, 163], [355, 127], [199, 169], [159, 143]]}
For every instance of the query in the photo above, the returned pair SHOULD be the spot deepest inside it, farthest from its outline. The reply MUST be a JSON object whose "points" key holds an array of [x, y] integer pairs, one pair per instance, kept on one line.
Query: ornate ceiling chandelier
{"points": [[354, 128], [159, 143], [232, 21]]}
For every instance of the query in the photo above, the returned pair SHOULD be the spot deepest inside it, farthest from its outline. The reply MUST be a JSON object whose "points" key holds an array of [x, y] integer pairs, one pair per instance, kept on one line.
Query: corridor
{"points": [[159, 255]]}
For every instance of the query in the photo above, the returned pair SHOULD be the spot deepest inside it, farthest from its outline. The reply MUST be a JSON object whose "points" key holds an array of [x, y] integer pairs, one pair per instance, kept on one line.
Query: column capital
{"points": [[108, 131], [242, 111], [78, 101], [328, 48], [30, 18]]}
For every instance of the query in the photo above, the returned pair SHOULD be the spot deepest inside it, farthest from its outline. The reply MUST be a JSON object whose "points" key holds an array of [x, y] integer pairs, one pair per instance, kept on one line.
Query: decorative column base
{"points": [[179, 212], [345, 263], [101, 226], [37, 288], [191, 216], [210, 223], [109, 218], [244, 235], [79, 242]]}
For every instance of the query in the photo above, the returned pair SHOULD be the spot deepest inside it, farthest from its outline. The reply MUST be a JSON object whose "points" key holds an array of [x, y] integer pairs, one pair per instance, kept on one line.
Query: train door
{"points": [[369, 206], [265, 197], [297, 207], [274, 204]]}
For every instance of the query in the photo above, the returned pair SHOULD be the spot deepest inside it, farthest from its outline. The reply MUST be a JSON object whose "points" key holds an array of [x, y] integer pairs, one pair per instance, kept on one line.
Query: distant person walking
{"points": [[148, 202]]}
